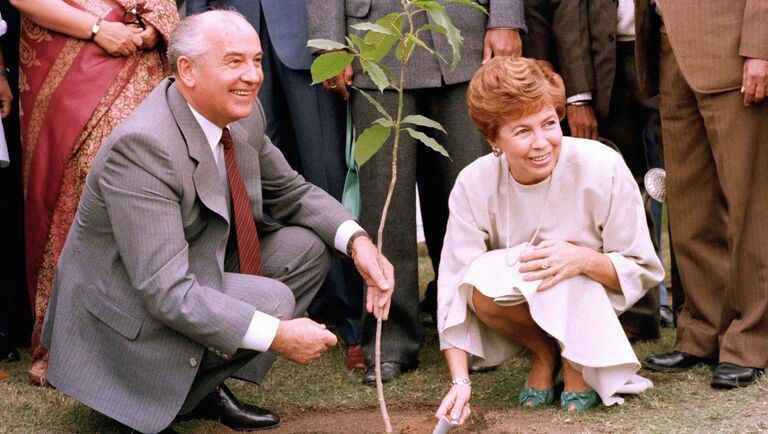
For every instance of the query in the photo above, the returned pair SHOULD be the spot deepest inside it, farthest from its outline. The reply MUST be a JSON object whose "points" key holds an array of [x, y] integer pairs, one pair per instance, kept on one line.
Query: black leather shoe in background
{"points": [[221, 405], [674, 361], [7, 352], [389, 371], [666, 317], [728, 376]]}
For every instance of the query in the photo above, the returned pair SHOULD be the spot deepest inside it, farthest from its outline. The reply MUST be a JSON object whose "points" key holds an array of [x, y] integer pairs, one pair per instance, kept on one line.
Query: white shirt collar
{"points": [[213, 135], [212, 131]]}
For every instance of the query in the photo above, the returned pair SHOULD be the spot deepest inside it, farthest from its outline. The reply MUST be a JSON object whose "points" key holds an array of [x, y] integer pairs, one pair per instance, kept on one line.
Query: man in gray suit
{"points": [[149, 313], [307, 124], [433, 90]]}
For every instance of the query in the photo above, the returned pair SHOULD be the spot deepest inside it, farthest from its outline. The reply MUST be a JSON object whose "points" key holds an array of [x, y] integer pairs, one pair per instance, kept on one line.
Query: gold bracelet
{"points": [[457, 381]]}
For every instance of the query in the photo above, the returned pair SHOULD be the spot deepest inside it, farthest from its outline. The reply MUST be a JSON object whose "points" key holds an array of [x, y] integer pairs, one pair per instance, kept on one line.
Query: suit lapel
{"points": [[206, 176]]}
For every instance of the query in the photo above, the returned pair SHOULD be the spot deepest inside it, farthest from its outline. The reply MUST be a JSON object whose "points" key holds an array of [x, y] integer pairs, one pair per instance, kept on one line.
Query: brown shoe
{"points": [[355, 358]]}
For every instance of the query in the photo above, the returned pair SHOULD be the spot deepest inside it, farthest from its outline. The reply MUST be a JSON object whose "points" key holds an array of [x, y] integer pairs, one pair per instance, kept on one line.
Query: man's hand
{"points": [[582, 121], [755, 81], [379, 279], [6, 97], [302, 340], [502, 42], [340, 82]]}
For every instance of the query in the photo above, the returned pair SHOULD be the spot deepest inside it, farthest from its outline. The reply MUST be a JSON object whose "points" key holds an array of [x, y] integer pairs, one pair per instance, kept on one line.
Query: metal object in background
{"points": [[655, 181]]}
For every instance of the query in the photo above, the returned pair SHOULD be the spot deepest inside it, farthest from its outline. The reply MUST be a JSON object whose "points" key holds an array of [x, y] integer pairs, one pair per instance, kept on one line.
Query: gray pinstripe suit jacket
{"points": [[140, 288], [332, 19]]}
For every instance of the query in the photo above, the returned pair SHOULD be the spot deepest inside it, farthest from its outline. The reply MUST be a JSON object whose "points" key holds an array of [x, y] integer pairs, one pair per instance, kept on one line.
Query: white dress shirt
{"points": [[263, 327]]}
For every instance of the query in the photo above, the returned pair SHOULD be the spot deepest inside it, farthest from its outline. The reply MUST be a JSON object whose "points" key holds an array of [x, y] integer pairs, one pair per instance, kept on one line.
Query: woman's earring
{"points": [[496, 151]]}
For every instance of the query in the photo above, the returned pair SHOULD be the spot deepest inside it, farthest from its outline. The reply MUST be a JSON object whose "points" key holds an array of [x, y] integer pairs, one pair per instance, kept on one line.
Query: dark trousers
{"points": [[435, 176]]}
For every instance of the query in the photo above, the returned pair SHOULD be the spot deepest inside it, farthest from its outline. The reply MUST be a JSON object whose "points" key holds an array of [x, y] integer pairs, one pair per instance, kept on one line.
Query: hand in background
{"points": [[341, 82], [150, 37], [302, 340], [6, 97], [502, 42], [582, 121], [118, 39], [755, 81]]}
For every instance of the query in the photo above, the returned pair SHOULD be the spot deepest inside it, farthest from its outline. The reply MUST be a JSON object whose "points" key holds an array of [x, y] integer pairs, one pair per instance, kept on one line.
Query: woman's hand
{"points": [[118, 39], [150, 37], [555, 260], [455, 405]]}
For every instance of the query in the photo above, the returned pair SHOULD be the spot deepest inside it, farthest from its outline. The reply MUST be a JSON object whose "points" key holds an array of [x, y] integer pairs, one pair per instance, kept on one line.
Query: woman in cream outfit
{"points": [[546, 243]]}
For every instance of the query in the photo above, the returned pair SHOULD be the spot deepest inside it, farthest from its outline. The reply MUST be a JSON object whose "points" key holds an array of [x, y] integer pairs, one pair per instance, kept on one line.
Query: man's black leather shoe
{"points": [[221, 405], [389, 371], [728, 376], [674, 361]]}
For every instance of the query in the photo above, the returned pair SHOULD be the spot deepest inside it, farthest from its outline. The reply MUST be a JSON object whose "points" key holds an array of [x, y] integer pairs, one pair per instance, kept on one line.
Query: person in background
{"points": [[308, 125], [709, 65], [434, 91], [595, 47], [85, 66], [196, 246]]}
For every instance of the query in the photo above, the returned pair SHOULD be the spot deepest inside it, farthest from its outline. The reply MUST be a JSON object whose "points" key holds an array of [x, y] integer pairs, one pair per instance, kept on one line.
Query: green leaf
{"points": [[410, 46], [423, 45], [423, 121], [370, 141], [330, 65], [374, 103], [377, 74], [381, 44], [429, 141], [470, 3], [361, 44], [452, 33], [433, 28], [429, 5], [325, 44], [383, 122], [371, 27]]}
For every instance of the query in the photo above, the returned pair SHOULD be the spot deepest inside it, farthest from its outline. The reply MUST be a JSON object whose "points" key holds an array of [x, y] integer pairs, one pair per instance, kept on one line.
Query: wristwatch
{"points": [[95, 29]]}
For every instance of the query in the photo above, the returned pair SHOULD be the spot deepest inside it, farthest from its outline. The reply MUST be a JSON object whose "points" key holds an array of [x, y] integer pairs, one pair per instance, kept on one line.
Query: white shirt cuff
{"points": [[261, 332], [584, 96], [343, 234]]}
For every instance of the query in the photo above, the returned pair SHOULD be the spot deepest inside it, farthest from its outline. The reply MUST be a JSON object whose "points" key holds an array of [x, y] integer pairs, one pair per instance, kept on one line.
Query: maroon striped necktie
{"points": [[245, 228]]}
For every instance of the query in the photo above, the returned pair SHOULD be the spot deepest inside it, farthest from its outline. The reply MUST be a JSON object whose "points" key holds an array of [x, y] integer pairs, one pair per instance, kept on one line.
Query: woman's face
{"points": [[531, 145]]}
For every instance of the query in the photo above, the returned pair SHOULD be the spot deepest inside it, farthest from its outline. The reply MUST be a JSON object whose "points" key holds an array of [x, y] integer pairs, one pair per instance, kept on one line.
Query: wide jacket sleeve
{"points": [[627, 242], [506, 14], [754, 30], [326, 19], [570, 25]]}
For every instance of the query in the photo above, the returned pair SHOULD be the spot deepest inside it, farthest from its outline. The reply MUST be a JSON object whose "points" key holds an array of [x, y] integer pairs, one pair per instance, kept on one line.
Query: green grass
{"points": [[679, 403]]}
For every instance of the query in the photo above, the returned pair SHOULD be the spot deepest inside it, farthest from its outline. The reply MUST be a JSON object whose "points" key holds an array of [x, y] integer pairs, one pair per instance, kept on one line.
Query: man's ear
{"points": [[185, 71]]}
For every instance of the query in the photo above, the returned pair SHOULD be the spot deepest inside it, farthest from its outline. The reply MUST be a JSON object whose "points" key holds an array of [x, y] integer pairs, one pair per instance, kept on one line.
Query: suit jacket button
{"points": [[610, 38], [192, 362]]}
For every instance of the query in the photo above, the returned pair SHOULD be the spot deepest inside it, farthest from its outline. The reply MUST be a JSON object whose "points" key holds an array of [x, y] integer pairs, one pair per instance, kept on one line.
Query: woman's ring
{"points": [[333, 86], [544, 264]]}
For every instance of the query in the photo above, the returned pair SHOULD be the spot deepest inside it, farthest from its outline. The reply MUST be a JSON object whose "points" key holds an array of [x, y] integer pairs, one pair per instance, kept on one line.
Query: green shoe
{"points": [[532, 398], [582, 400]]}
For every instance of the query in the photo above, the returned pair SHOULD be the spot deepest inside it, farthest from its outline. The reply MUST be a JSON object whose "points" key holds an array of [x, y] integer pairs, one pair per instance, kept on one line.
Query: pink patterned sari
{"points": [[72, 95]]}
